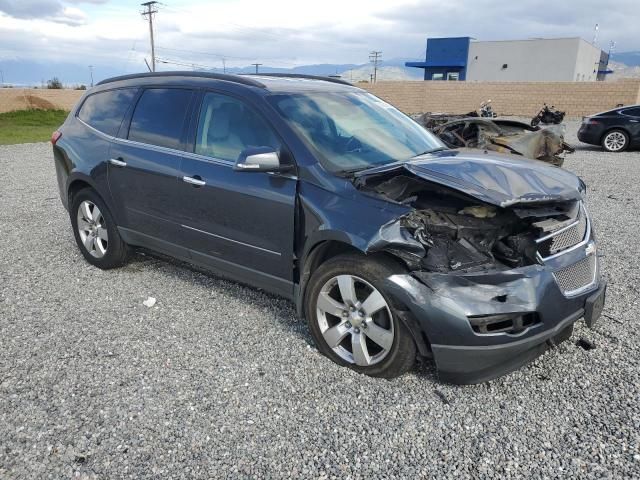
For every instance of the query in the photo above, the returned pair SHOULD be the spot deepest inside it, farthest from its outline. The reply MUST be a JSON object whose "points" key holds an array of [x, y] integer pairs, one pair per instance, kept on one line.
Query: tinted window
{"points": [[104, 111], [227, 126], [633, 112], [159, 117]]}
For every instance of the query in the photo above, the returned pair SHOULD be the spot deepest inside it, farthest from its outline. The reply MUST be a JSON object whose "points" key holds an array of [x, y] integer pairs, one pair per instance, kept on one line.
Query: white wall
{"points": [[549, 60], [587, 61]]}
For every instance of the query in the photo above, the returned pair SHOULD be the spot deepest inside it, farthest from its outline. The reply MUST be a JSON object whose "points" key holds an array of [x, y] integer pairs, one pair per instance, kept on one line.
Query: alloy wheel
{"points": [[615, 141], [92, 229], [355, 320]]}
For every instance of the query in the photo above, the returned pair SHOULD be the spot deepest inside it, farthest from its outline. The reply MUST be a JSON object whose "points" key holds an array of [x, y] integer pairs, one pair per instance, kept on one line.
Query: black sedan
{"points": [[616, 130]]}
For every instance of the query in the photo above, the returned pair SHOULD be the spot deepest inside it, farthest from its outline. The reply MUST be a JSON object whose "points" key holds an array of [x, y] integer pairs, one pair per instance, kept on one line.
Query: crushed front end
{"points": [[493, 283]]}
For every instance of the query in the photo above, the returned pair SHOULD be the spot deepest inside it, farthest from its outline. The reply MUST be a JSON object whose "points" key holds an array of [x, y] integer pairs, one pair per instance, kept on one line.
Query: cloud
{"points": [[505, 20], [50, 10], [30, 8], [289, 32]]}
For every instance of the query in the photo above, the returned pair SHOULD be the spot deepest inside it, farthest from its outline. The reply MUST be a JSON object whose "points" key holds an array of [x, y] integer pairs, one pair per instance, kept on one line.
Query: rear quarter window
{"points": [[159, 117], [632, 112], [104, 111]]}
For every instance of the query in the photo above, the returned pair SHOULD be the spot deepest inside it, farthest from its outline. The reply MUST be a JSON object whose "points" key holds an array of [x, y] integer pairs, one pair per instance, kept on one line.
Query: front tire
{"points": [[96, 232], [615, 141], [354, 321]]}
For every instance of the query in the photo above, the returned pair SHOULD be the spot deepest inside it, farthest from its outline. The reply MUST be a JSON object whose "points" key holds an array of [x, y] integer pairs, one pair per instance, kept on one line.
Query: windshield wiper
{"points": [[427, 152]]}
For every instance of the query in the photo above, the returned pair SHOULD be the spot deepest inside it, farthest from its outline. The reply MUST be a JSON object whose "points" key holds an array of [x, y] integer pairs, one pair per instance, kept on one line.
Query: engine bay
{"points": [[448, 231]]}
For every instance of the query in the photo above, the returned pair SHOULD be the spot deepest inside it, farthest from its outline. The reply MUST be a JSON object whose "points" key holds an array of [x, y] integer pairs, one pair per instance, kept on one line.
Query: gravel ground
{"points": [[221, 380]]}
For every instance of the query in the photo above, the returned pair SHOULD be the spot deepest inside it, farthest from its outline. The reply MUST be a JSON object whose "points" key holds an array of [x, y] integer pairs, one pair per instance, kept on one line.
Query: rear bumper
{"points": [[442, 305], [590, 134]]}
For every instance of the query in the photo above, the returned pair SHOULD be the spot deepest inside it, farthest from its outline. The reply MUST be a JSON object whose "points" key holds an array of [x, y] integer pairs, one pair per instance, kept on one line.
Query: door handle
{"points": [[634, 121], [118, 162], [195, 181]]}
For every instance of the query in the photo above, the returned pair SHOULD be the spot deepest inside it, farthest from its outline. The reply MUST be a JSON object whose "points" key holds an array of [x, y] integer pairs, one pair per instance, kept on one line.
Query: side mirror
{"points": [[259, 159]]}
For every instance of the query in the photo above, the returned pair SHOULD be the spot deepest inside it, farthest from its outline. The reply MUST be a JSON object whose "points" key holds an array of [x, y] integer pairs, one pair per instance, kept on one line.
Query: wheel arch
{"points": [[77, 182], [325, 250]]}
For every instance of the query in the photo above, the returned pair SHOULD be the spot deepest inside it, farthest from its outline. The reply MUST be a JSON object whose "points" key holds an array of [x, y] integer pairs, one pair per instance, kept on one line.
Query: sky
{"points": [[111, 34]]}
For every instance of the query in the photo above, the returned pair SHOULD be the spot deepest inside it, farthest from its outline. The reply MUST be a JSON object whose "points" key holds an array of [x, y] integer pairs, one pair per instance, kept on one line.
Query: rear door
{"points": [[632, 116], [144, 165], [88, 141], [238, 222]]}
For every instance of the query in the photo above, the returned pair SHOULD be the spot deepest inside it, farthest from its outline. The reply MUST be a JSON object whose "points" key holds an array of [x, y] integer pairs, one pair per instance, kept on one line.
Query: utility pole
{"points": [[149, 12], [375, 57], [224, 65], [1, 77], [257, 65], [91, 72]]}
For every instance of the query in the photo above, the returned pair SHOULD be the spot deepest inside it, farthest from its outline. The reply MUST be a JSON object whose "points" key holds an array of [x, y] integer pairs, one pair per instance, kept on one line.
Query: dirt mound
{"points": [[37, 102]]}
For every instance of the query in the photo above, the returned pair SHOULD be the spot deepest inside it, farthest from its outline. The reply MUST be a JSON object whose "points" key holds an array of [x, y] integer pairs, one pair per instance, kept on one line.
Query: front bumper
{"points": [[441, 306]]}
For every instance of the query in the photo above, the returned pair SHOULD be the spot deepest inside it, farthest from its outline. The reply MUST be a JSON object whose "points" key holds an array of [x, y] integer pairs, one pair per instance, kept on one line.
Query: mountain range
{"points": [[34, 73]]}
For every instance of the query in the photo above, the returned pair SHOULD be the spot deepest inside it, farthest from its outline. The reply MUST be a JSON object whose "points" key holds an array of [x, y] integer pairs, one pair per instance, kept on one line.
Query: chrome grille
{"points": [[566, 238], [575, 277]]}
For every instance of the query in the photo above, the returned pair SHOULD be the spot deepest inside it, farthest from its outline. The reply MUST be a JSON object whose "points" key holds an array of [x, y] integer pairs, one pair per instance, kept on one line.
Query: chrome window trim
{"points": [[157, 148], [206, 158], [185, 154], [94, 129]]}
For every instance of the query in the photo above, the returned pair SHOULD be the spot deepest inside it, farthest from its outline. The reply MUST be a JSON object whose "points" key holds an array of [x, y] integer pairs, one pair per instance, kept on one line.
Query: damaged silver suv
{"points": [[390, 244]]}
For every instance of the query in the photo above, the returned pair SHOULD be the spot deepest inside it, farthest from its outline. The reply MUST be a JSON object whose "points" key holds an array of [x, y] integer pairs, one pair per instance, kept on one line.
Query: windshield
{"points": [[353, 131]]}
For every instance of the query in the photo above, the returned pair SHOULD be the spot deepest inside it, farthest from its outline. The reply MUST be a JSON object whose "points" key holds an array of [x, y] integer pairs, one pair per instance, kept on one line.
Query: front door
{"points": [[144, 165], [238, 222]]}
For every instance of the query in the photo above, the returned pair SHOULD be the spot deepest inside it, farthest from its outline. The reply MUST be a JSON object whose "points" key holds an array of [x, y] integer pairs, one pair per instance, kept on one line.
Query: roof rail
{"points": [[300, 75], [214, 76]]}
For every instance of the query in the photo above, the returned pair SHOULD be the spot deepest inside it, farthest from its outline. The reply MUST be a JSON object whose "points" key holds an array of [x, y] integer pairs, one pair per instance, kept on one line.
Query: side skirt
{"points": [[233, 271]]}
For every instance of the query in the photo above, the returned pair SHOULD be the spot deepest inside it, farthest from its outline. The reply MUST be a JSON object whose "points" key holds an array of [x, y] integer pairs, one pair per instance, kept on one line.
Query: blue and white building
{"points": [[533, 60]]}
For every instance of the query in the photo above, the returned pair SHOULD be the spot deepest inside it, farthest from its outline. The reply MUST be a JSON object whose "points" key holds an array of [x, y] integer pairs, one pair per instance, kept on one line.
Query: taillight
{"points": [[55, 136], [591, 121]]}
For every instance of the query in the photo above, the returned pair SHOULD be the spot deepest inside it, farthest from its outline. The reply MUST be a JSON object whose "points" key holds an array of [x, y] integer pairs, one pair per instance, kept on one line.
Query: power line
{"points": [[184, 64], [149, 12], [375, 57], [224, 55]]}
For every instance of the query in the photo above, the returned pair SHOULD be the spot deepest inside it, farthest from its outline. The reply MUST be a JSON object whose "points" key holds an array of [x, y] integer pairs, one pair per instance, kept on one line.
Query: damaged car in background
{"points": [[391, 244], [506, 136]]}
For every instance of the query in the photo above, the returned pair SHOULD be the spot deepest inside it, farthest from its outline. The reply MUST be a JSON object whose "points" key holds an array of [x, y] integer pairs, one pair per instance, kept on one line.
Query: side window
{"points": [[104, 111], [227, 126], [632, 112], [159, 117]]}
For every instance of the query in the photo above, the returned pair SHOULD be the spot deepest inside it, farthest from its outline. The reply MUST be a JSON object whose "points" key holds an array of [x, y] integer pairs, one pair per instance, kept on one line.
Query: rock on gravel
{"points": [[217, 381]]}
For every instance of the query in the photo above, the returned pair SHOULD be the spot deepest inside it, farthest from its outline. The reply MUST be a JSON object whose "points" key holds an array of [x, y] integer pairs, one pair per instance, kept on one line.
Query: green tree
{"points": [[54, 83]]}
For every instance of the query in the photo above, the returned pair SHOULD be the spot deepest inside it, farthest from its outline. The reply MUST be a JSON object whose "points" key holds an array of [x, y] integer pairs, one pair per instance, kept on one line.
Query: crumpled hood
{"points": [[502, 180]]}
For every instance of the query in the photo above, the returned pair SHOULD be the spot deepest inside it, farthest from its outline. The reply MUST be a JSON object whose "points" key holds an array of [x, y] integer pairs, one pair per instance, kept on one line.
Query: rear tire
{"points": [[615, 141], [360, 329], [96, 232]]}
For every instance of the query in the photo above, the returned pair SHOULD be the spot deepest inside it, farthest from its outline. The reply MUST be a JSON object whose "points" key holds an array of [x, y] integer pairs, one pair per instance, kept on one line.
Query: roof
{"points": [[267, 81], [435, 64]]}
